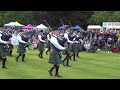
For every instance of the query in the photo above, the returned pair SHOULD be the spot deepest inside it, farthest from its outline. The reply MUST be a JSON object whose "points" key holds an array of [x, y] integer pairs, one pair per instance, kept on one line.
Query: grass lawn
{"points": [[99, 65]]}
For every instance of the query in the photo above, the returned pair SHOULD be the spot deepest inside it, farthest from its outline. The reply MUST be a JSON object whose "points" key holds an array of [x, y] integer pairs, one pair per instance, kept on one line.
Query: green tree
{"points": [[24, 17], [2, 17], [115, 17], [98, 17]]}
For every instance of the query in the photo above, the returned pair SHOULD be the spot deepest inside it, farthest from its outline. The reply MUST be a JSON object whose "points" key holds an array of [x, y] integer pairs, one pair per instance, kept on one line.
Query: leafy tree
{"points": [[99, 17], [115, 17], [24, 17]]}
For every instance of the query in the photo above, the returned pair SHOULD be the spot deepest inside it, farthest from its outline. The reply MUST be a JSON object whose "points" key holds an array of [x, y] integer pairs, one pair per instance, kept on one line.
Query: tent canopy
{"points": [[94, 27], [13, 24], [29, 26], [63, 27], [41, 27], [77, 27]]}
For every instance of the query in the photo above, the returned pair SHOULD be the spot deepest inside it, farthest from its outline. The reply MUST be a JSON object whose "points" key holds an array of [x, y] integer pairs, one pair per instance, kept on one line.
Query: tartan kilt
{"points": [[41, 46], [68, 51], [78, 47], [3, 50], [55, 57], [74, 47], [21, 48]]}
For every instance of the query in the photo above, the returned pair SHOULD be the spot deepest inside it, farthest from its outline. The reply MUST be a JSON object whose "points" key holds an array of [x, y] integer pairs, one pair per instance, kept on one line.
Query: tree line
{"points": [[73, 18]]}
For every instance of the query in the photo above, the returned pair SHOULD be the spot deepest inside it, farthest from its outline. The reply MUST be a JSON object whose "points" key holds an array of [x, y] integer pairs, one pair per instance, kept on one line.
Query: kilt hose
{"points": [[21, 48], [3, 50], [55, 57]]}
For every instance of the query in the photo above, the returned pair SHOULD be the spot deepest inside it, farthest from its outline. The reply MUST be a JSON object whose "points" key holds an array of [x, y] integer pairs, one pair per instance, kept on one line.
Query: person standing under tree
{"points": [[54, 53], [3, 47], [22, 45]]}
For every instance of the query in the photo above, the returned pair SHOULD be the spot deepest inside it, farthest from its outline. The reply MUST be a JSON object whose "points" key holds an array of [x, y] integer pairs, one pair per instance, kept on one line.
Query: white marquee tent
{"points": [[41, 27], [94, 27]]}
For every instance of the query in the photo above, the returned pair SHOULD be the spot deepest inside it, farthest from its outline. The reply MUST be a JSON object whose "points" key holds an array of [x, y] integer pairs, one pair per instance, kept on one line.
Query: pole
{"points": [[47, 24], [61, 21]]}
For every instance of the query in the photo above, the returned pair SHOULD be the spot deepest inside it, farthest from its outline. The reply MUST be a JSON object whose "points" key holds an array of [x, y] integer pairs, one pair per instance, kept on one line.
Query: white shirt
{"points": [[48, 37], [39, 37], [1, 41], [20, 39], [66, 37], [54, 41]]}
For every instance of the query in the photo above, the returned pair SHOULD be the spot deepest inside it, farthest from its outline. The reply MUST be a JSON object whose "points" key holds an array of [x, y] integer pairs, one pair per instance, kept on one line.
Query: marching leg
{"points": [[51, 69], [56, 73], [18, 57], [23, 58], [74, 57], [64, 61], [10, 52], [4, 63], [41, 54]]}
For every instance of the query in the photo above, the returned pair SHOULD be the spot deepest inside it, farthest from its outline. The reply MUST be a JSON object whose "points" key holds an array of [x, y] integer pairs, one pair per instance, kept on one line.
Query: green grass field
{"points": [[99, 65]]}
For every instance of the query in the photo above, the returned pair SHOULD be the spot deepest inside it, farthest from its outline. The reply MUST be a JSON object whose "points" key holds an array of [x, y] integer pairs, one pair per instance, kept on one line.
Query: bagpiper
{"points": [[68, 49], [42, 37], [55, 49], [23, 41], [3, 47]]}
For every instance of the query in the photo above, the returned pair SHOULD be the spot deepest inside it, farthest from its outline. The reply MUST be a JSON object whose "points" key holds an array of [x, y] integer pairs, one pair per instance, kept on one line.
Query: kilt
{"points": [[21, 48], [74, 47], [68, 51], [78, 47], [3, 50], [41, 46], [55, 57]]}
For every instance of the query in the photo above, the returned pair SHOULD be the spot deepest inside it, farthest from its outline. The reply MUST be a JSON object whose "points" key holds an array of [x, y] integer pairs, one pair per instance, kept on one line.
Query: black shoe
{"points": [[16, 59], [69, 65], [74, 60], [50, 72], [4, 67], [57, 75], [23, 61], [63, 63]]}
